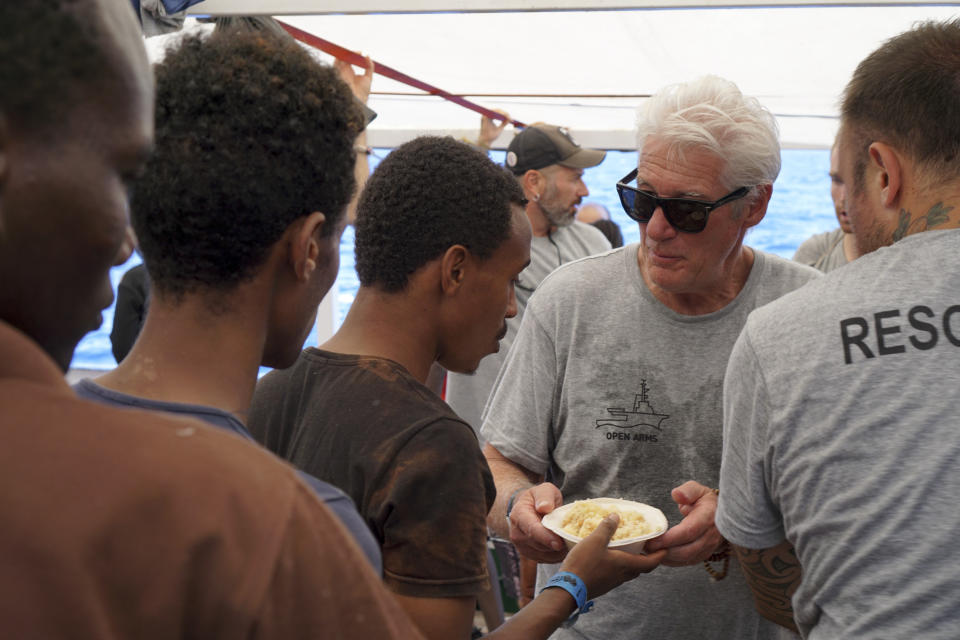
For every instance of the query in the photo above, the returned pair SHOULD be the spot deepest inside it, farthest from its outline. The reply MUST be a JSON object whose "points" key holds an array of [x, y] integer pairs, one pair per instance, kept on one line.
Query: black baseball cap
{"points": [[541, 145]]}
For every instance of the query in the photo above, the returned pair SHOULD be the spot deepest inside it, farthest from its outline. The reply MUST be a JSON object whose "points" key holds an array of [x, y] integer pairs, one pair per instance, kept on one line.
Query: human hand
{"points": [[489, 129], [696, 537], [359, 83], [602, 568], [527, 533]]}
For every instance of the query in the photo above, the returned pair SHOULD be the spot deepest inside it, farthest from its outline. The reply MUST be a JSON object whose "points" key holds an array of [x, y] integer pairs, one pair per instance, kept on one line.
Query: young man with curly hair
{"points": [[548, 165], [238, 215], [441, 237]]}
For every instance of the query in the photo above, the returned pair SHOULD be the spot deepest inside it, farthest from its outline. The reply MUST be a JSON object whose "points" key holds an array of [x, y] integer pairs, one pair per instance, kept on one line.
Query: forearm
{"points": [[440, 618], [538, 619], [590, 570], [773, 575], [509, 478]]}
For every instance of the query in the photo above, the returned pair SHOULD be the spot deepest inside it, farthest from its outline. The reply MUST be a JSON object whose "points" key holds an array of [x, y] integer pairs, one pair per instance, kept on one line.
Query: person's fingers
{"points": [[645, 563], [688, 554], [527, 532], [675, 536], [539, 534], [530, 548], [692, 540], [604, 532], [546, 498], [698, 520], [689, 492], [525, 523]]}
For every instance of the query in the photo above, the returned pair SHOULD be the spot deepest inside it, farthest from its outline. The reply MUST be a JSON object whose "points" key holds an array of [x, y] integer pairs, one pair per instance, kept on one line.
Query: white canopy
{"points": [[589, 69]]}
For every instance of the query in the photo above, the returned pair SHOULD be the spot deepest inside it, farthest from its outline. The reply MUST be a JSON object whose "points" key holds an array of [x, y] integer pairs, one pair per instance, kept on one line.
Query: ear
{"points": [[533, 184], [453, 269], [889, 176], [304, 248], [758, 206]]}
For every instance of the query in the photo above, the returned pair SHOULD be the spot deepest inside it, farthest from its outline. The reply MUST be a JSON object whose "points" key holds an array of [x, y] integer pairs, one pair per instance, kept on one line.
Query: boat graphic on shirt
{"points": [[642, 415]]}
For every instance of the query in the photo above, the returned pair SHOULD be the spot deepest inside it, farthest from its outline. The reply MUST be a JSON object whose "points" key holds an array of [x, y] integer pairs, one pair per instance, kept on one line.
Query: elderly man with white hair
{"points": [[613, 387]]}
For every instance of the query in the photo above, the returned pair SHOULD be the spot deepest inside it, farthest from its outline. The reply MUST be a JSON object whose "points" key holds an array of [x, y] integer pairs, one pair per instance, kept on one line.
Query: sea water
{"points": [[800, 207]]}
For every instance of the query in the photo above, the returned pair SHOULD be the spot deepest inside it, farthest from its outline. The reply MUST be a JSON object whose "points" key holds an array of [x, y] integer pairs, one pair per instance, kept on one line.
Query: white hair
{"points": [[711, 114]]}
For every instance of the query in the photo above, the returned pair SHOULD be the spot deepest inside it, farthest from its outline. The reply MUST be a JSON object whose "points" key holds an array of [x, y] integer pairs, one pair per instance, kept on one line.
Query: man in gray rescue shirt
{"points": [[613, 385], [841, 434], [549, 166]]}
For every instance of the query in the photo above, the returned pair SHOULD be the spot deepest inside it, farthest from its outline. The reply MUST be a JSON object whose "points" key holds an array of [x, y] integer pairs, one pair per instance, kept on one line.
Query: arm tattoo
{"points": [[773, 575], [936, 216]]}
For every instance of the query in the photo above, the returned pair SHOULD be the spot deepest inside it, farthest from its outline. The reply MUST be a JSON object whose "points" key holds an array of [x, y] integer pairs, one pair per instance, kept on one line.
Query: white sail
{"points": [[511, 54]]}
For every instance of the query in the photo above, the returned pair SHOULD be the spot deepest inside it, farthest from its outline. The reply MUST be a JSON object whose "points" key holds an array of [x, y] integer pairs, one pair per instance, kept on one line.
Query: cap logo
{"points": [[511, 159], [566, 134]]}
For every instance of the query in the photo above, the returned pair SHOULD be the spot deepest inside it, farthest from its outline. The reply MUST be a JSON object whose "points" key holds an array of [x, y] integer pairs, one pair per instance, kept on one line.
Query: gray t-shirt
{"points": [[467, 393], [823, 251], [842, 436], [611, 394]]}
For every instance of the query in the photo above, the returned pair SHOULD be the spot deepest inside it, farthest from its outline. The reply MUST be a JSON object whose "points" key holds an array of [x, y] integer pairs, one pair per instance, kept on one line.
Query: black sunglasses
{"points": [[683, 214]]}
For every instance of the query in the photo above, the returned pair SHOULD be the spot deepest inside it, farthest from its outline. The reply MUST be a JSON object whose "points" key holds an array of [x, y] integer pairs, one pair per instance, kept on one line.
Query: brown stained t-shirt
{"points": [[128, 524], [412, 466]]}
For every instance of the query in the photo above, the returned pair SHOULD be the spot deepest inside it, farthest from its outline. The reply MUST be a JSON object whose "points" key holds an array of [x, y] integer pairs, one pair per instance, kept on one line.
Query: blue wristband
{"points": [[572, 584]]}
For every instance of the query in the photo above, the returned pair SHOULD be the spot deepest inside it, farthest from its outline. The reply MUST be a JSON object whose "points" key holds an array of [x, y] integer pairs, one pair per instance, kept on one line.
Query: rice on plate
{"points": [[639, 522]]}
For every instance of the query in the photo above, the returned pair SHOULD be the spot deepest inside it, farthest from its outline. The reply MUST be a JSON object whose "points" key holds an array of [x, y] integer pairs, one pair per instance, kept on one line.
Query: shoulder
{"points": [[885, 274], [333, 383], [811, 249], [823, 238], [276, 381], [176, 460], [178, 453], [581, 277], [90, 390], [284, 390], [780, 283], [447, 431], [781, 274], [796, 296], [591, 237], [173, 485]]}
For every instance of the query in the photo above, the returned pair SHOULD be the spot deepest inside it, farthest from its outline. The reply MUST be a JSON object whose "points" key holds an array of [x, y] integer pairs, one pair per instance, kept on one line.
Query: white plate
{"points": [[554, 521]]}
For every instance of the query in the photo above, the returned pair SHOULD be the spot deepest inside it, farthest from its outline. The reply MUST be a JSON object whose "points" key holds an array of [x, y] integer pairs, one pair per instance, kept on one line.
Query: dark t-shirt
{"points": [[413, 467]]}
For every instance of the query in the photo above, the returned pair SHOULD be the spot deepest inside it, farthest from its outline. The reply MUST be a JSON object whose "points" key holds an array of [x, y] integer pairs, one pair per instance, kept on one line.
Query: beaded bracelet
{"points": [[572, 584], [721, 554]]}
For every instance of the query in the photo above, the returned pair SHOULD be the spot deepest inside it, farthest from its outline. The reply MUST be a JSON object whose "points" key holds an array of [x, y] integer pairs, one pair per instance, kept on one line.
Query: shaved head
{"points": [[76, 124]]}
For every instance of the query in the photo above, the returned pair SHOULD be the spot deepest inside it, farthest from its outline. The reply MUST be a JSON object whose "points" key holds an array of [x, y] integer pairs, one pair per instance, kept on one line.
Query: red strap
{"points": [[353, 58]]}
